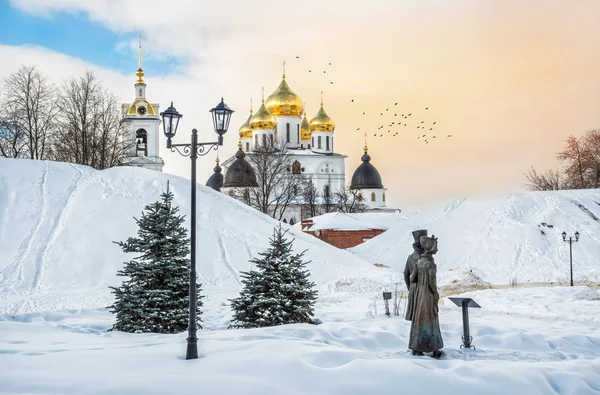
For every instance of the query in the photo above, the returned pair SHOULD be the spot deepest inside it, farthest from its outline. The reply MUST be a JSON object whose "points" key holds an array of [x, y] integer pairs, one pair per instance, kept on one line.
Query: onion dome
{"points": [[263, 118], [240, 174], [366, 175], [321, 122], [215, 181], [284, 102], [245, 129], [305, 128]]}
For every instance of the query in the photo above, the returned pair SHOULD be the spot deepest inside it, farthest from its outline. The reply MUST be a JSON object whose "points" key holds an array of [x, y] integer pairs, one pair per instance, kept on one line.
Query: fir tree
{"points": [[155, 296], [278, 291]]}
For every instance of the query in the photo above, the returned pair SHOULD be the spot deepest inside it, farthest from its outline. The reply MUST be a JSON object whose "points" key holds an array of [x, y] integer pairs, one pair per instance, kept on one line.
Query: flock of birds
{"points": [[425, 130]]}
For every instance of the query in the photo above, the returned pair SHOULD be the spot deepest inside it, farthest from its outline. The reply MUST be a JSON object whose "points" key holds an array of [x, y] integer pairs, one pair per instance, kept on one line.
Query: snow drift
{"points": [[496, 239], [58, 222]]}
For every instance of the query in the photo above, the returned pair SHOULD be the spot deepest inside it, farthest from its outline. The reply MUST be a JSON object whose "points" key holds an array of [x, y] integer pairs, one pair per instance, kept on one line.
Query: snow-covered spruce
{"points": [[155, 297], [278, 291]]}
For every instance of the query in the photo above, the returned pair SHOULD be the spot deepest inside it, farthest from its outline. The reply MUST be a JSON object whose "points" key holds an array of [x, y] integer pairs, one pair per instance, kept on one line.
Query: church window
{"points": [[331, 143], [264, 140], [285, 221], [296, 167], [327, 190], [287, 132], [327, 143], [256, 140], [313, 141], [298, 133], [384, 196], [319, 142], [372, 196], [309, 146], [301, 145], [359, 197], [295, 190], [140, 93], [247, 146], [292, 222], [141, 140], [271, 138]]}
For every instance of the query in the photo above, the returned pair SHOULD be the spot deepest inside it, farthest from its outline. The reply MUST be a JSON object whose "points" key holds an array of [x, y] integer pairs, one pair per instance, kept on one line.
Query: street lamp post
{"points": [[570, 240], [221, 115]]}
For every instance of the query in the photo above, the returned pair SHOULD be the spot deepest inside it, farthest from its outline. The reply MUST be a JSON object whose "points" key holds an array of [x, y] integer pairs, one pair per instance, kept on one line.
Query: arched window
{"points": [[287, 132], [256, 141], [384, 196], [359, 197], [285, 221], [372, 196], [141, 141], [292, 221], [298, 132], [247, 146]]}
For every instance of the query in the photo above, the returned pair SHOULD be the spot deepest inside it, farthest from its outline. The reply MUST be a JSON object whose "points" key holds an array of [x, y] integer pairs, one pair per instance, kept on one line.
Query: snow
{"points": [[355, 221], [58, 221], [498, 238], [70, 352]]}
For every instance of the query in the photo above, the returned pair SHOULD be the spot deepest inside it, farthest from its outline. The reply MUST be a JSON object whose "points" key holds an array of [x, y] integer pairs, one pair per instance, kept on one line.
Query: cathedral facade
{"points": [[309, 146]]}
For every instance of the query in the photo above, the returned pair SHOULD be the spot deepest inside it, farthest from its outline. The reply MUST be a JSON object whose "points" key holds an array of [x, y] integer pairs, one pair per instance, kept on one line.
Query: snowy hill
{"points": [[58, 222], [497, 238]]}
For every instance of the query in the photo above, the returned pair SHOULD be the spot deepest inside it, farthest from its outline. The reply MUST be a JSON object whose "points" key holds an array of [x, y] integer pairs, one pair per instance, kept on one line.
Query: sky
{"points": [[509, 80]]}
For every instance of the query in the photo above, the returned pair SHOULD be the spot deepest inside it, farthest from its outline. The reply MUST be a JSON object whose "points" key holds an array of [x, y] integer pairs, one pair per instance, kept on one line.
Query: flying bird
{"points": [[352, 101], [410, 114], [357, 128], [395, 104], [434, 123], [324, 71], [430, 128], [331, 82], [427, 108], [297, 57], [422, 121], [310, 71], [330, 63], [449, 135]]}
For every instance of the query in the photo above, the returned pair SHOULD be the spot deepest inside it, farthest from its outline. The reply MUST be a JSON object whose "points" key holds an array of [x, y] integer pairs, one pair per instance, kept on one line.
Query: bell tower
{"points": [[142, 126]]}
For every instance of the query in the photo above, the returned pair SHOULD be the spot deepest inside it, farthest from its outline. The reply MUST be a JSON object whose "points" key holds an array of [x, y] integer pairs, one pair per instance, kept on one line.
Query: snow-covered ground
{"points": [[57, 259], [498, 238], [58, 222], [543, 340]]}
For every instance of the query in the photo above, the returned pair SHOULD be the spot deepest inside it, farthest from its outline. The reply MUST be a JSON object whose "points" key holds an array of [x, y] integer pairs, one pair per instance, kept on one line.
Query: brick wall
{"points": [[346, 238]]}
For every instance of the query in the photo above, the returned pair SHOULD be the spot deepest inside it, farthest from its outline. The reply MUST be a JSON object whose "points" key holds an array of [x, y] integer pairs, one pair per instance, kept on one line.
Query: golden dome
{"points": [[284, 102], [132, 110], [245, 129], [263, 119], [321, 122], [305, 128]]}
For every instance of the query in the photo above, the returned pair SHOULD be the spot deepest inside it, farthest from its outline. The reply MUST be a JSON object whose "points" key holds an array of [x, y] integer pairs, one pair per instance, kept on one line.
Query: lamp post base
{"points": [[192, 349]]}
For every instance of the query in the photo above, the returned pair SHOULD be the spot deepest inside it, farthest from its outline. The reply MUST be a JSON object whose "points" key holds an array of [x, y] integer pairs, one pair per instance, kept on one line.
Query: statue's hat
{"points": [[418, 233]]}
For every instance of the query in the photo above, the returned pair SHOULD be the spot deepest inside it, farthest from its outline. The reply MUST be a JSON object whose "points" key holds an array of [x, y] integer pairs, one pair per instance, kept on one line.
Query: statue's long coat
{"points": [[408, 269], [425, 335]]}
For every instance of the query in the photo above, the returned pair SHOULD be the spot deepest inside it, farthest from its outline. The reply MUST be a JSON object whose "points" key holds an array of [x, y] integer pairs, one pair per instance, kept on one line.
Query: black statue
{"points": [[409, 268], [425, 335]]}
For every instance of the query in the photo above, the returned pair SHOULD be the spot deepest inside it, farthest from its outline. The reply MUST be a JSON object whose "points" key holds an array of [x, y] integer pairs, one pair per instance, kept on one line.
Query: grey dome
{"points": [[215, 181], [366, 175], [240, 174]]}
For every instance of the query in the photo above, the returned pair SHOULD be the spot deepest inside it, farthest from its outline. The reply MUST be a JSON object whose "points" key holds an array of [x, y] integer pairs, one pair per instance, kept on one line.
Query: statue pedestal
{"points": [[465, 303]]}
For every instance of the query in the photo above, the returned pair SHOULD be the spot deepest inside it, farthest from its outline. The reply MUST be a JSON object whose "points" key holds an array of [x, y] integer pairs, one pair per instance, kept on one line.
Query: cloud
{"points": [[506, 80]]}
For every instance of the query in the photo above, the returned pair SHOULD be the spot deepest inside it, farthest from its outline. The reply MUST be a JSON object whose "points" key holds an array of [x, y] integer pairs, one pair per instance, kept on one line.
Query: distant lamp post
{"points": [[221, 115], [570, 240]]}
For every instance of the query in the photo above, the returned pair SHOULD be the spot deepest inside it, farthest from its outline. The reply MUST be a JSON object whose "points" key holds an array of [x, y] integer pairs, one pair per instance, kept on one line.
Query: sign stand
{"points": [[465, 303]]}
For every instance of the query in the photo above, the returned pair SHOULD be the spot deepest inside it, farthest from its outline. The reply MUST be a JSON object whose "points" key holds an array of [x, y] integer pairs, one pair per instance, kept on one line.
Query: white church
{"points": [[280, 119], [142, 122]]}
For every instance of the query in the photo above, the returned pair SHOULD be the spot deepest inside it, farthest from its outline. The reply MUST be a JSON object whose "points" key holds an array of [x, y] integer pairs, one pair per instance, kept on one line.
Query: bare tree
{"points": [[279, 177], [581, 166], [90, 125], [310, 198], [12, 139], [28, 114], [349, 201], [328, 198], [549, 181]]}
